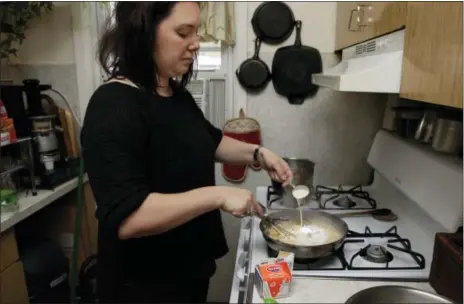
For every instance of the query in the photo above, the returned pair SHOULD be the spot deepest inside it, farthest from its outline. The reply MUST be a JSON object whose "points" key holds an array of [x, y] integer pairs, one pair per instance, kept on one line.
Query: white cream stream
{"points": [[299, 193]]}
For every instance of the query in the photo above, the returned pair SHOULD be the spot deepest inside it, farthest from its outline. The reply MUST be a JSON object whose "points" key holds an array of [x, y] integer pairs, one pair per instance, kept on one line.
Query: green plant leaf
{"points": [[15, 16]]}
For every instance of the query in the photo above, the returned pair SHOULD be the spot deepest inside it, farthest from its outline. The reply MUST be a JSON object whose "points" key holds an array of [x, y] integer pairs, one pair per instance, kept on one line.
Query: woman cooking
{"points": [[150, 154]]}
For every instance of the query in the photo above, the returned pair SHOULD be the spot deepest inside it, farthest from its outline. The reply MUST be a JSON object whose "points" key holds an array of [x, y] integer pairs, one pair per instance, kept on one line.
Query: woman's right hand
{"points": [[238, 202]]}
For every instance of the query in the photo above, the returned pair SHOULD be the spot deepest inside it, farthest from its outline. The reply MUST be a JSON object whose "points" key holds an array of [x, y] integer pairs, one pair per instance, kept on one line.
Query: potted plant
{"points": [[14, 19]]}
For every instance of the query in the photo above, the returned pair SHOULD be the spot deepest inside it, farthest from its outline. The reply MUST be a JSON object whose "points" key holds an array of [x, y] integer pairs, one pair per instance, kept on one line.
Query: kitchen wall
{"points": [[47, 54], [333, 129]]}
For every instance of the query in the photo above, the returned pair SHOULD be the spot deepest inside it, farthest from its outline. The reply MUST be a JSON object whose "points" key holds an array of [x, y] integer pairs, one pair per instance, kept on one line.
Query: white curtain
{"points": [[217, 22]]}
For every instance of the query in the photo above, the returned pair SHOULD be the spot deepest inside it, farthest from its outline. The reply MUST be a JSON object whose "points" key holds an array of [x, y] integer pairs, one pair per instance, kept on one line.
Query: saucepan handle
{"points": [[254, 214], [382, 211]]}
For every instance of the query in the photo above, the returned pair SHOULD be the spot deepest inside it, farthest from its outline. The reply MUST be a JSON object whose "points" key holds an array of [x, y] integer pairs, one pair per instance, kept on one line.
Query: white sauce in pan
{"points": [[309, 235]]}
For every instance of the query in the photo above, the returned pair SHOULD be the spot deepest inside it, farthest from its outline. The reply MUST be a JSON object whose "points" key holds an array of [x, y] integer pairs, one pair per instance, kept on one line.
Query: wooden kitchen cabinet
{"points": [[8, 249], [13, 289], [361, 21], [432, 60]]}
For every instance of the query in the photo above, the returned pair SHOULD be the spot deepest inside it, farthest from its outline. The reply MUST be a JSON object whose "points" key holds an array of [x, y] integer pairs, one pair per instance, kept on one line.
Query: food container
{"points": [[288, 257], [8, 201], [448, 136], [273, 279]]}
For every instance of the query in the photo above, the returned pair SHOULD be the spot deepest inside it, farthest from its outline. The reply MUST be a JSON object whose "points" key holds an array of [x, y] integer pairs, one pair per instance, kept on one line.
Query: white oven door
{"points": [[240, 281]]}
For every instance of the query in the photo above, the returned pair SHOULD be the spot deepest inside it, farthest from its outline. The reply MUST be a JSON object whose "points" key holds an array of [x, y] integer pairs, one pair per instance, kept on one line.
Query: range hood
{"points": [[371, 66]]}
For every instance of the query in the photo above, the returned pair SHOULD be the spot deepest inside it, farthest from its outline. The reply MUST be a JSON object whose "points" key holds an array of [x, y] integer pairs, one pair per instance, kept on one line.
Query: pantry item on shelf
{"points": [[4, 139], [247, 130], [8, 200], [7, 129], [3, 112]]}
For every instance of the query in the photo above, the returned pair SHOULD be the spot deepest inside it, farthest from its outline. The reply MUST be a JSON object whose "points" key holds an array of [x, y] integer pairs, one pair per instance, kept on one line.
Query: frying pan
{"points": [[314, 218], [273, 22], [254, 74], [292, 68]]}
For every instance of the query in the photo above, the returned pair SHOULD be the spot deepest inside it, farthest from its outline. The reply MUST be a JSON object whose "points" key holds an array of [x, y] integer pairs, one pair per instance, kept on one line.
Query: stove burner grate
{"points": [[272, 192], [337, 194], [344, 202], [390, 233], [368, 252], [377, 254]]}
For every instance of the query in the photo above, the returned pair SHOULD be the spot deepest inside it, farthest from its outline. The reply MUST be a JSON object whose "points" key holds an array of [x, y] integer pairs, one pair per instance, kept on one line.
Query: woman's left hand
{"points": [[275, 166]]}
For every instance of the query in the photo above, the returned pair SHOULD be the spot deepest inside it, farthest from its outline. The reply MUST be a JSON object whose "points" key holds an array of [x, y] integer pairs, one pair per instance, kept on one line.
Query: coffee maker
{"points": [[35, 115]]}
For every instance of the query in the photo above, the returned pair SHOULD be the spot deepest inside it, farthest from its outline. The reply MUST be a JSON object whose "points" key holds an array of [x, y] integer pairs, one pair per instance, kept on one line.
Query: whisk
{"points": [[273, 222]]}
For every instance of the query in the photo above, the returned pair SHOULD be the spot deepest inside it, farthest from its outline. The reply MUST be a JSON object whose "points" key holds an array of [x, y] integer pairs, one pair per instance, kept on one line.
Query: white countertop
{"points": [[29, 204], [321, 290]]}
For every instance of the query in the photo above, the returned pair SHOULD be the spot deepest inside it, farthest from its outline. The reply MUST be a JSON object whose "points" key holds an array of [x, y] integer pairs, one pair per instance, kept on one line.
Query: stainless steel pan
{"points": [[394, 295], [310, 218]]}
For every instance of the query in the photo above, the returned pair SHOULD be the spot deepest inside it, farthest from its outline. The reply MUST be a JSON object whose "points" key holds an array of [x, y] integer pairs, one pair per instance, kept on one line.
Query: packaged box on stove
{"points": [[273, 279], [289, 257]]}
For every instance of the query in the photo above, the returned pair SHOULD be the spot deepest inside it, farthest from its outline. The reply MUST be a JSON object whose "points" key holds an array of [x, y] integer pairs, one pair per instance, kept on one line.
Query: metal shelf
{"points": [[12, 170], [18, 141], [26, 161]]}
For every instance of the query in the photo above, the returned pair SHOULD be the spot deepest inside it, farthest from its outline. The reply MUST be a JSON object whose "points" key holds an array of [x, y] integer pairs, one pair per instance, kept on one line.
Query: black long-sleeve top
{"points": [[135, 143]]}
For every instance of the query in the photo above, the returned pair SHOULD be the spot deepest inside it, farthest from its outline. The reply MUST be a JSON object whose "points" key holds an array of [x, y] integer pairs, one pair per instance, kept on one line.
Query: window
{"points": [[210, 56]]}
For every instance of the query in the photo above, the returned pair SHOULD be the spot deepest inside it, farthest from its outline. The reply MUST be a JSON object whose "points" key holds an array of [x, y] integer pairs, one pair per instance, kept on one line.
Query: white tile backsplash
{"points": [[333, 129]]}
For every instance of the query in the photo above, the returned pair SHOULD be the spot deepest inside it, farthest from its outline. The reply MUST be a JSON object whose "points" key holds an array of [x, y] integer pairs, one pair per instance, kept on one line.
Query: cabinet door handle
{"points": [[351, 21], [362, 8], [360, 18]]}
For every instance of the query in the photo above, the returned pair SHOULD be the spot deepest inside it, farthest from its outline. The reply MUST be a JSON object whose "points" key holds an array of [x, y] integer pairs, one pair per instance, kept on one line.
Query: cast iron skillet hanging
{"points": [[254, 74], [273, 22], [292, 68]]}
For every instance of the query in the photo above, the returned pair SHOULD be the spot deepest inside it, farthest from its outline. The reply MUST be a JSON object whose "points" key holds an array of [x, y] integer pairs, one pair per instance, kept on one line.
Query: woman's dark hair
{"points": [[127, 46]]}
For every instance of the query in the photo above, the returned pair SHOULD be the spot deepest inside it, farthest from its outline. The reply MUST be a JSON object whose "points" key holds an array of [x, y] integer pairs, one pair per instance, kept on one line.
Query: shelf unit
{"points": [[25, 162]]}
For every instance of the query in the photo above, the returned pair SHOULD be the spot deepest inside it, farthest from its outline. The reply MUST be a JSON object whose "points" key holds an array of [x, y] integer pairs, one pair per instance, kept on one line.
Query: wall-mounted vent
{"points": [[367, 47]]}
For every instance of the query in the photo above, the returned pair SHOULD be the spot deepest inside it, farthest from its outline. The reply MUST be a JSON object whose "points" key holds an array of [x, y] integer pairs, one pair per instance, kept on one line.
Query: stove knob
{"points": [[242, 259], [241, 274], [246, 236]]}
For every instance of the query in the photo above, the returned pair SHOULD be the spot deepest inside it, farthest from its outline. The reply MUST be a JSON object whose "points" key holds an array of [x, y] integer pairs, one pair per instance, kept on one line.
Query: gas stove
{"points": [[328, 198], [373, 248], [424, 191]]}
